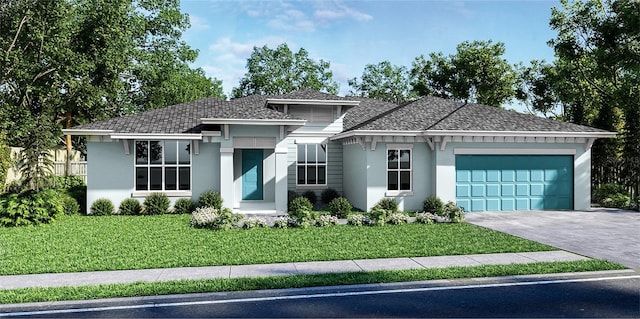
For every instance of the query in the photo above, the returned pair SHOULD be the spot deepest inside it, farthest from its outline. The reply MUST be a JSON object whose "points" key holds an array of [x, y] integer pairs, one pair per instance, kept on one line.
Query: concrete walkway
{"points": [[265, 270]]}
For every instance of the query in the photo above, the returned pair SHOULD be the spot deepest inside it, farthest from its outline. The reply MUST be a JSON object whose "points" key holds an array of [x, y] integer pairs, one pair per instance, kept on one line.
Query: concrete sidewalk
{"points": [[266, 270]]}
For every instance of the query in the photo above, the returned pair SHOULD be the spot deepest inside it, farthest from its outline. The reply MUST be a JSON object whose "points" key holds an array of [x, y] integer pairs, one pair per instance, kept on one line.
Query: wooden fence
{"points": [[78, 166]]}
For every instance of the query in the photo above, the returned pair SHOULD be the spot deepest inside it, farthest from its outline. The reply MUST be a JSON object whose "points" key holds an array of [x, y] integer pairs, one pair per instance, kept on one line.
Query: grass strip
{"points": [[98, 243], [294, 281]]}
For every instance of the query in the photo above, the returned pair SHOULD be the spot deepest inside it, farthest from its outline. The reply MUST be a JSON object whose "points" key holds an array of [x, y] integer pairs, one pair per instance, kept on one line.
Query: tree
{"points": [[383, 81], [279, 71], [475, 73], [598, 41], [69, 62]]}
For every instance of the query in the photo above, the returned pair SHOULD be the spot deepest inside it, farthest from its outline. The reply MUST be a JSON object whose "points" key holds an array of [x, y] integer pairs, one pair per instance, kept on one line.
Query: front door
{"points": [[252, 174]]}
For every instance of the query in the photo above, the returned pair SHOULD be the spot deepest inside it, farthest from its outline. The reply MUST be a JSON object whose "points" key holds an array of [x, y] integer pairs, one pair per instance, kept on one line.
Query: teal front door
{"points": [[514, 182], [252, 174]]}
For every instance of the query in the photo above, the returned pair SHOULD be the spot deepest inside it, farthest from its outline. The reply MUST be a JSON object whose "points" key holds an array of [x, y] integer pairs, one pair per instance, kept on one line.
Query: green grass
{"points": [[294, 281], [84, 243]]}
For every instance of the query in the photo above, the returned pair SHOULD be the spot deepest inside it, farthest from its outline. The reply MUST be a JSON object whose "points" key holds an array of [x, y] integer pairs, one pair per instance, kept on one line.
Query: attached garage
{"points": [[514, 182]]}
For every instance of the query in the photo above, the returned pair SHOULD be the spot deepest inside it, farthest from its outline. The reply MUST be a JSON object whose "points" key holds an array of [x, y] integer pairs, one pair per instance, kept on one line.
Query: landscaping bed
{"points": [[93, 243]]}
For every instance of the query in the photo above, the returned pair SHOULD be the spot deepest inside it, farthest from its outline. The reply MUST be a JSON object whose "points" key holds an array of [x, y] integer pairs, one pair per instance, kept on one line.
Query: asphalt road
{"points": [[574, 297]]}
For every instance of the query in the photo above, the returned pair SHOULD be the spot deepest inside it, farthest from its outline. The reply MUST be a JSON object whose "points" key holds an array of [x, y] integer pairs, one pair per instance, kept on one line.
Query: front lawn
{"points": [[93, 243]]}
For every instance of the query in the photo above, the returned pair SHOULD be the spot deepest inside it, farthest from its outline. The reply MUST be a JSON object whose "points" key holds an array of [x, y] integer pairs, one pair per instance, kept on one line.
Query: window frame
{"points": [[316, 164], [399, 148], [163, 167]]}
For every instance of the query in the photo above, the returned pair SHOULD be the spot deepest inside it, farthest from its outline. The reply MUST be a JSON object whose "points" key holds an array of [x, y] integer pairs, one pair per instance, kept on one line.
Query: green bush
{"points": [[388, 204], [30, 208], [210, 199], [203, 217], [426, 218], [300, 210], [254, 222], [226, 219], [70, 205], [433, 204], [453, 212], [603, 194], [358, 220], [617, 200], [379, 215], [340, 207], [397, 218], [291, 195], [102, 206], [130, 206], [328, 195], [311, 196], [184, 206], [156, 204], [326, 220]]}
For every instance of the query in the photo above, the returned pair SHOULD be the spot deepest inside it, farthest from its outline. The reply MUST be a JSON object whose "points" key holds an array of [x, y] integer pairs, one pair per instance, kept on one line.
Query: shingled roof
{"points": [[426, 114], [433, 113]]}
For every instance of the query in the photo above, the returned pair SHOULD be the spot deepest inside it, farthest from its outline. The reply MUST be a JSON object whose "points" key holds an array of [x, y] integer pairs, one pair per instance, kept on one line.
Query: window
{"points": [[399, 170], [312, 164], [163, 166]]}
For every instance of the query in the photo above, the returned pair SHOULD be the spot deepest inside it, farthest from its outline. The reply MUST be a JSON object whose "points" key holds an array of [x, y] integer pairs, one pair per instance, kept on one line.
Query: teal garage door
{"points": [[514, 182]]}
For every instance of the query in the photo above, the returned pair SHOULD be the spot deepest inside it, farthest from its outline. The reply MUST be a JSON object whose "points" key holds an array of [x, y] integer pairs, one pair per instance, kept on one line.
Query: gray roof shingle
{"points": [[433, 113], [428, 113]]}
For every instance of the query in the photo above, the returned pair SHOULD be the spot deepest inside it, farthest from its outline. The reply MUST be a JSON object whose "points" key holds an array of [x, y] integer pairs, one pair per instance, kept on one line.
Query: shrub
{"points": [[283, 222], [254, 222], [426, 218], [602, 193], [326, 220], [311, 196], [130, 206], [156, 204], [379, 215], [203, 217], [388, 204], [68, 182], [30, 208], [300, 210], [328, 195], [358, 220], [617, 200], [397, 218], [453, 212], [226, 219], [340, 207], [184, 206], [102, 206], [69, 204], [210, 199], [433, 204]]}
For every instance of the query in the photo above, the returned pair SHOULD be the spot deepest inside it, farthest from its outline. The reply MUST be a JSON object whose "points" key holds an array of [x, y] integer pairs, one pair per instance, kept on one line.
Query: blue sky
{"points": [[351, 34]]}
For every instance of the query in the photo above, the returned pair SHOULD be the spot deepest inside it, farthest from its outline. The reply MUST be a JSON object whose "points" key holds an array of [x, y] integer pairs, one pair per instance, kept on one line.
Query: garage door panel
{"points": [[514, 182]]}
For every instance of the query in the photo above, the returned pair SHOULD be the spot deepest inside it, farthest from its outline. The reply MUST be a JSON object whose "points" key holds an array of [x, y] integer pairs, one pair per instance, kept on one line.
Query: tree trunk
{"points": [[67, 167]]}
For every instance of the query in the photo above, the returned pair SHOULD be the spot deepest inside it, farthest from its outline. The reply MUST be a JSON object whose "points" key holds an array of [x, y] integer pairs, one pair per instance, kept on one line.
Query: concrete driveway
{"points": [[609, 234]]}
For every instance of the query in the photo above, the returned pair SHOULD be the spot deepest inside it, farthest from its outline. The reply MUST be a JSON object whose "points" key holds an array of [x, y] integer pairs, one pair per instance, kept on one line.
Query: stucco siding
{"points": [[205, 168], [355, 169], [110, 172]]}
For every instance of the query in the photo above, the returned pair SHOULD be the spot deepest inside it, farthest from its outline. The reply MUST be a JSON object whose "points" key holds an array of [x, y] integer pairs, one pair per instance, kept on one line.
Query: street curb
{"points": [[109, 302]]}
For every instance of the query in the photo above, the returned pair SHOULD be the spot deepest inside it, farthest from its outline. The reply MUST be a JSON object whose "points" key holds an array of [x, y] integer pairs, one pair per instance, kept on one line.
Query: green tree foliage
{"points": [[599, 41], [5, 161], [477, 72], [68, 62], [280, 71], [384, 81]]}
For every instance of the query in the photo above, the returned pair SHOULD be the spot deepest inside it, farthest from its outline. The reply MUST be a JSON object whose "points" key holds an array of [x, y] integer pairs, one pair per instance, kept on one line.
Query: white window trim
{"points": [[399, 192], [172, 192], [326, 167]]}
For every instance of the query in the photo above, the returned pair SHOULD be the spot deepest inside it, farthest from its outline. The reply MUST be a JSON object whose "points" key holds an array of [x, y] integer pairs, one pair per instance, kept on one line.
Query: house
{"points": [[255, 149]]}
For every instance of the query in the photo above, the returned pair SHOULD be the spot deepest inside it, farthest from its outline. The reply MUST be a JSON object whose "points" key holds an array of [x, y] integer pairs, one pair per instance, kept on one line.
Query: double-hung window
{"points": [[163, 165], [398, 170], [312, 164]]}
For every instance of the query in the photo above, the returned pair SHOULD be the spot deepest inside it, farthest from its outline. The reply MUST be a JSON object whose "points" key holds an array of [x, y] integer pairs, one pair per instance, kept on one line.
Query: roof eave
{"points": [[290, 122], [473, 133], [313, 102], [83, 132]]}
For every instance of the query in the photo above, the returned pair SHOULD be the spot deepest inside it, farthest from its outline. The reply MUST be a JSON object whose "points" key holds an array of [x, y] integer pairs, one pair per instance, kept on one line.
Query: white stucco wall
{"points": [[111, 172], [355, 175]]}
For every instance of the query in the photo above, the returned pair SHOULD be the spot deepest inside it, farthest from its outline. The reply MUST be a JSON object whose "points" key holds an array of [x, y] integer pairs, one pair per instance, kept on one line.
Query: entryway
{"points": [[252, 176]]}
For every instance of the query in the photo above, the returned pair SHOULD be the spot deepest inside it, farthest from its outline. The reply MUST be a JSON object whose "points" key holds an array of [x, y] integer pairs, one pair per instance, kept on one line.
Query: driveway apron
{"points": [[609, 234]]}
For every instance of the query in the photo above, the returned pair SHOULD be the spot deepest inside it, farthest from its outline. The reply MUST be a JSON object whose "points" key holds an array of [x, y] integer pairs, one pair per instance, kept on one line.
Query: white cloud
{"points": [[341, 11], [292, 20], [198, 23]]}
